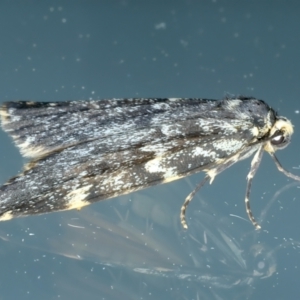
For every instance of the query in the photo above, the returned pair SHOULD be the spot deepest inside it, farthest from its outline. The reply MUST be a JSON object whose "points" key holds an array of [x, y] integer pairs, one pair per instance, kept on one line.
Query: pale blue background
{"points": [[71, 50]]}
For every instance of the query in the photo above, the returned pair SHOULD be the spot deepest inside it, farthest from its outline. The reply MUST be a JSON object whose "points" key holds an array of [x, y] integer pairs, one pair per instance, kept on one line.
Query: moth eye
{"points": [[278, 139]]}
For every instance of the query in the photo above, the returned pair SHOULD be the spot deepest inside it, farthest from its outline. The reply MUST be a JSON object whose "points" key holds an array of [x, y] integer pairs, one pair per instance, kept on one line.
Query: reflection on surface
{"points": [[137, 249]]}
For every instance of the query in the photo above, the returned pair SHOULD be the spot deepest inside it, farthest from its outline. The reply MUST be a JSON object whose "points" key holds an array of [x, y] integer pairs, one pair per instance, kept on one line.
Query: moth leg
{"points": [[281, 169], [254, 166], [188, 199], [211, 174]]}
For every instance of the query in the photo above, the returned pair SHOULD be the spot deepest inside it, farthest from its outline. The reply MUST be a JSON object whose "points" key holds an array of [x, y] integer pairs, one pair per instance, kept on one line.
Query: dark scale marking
{"points": [[87, 151]]}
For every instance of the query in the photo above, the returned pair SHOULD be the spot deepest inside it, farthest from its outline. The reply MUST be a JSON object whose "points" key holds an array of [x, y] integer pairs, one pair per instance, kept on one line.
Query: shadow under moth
{"points": [[86, 151]]}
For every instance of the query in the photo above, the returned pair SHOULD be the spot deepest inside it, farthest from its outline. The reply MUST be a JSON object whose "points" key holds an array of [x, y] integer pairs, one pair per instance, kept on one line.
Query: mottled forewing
{"points": [[39, 128], [152, 148]]}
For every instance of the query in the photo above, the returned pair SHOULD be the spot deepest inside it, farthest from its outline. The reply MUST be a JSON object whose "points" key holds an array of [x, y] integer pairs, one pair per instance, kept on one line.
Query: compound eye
{"points": [[278, 139]]}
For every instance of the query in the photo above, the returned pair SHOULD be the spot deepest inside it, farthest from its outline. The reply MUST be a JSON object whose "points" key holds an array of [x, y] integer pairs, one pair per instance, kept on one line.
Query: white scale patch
{"points": [[28, 150], [170, 130], [6, 216], [198, 151], [160, 106], [228, 145], [116, 181], [155, 166], [76, 198]]}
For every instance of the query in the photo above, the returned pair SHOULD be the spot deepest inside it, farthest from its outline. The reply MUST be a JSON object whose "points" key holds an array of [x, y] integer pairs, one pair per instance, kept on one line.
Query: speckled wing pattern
{"points": [[86, 151]]}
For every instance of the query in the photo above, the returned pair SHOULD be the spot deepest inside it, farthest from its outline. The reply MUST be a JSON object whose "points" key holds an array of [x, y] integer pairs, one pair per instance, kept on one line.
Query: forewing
{"points": [[149, 150], [39, 128]]}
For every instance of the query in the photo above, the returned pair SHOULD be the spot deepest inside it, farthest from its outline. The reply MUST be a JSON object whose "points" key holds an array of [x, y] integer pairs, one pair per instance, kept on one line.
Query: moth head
{"points": [[280, 135]]}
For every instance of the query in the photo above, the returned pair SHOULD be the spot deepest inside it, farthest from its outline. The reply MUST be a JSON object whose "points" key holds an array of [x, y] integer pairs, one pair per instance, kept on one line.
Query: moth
{"points": [[85, 151]]}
